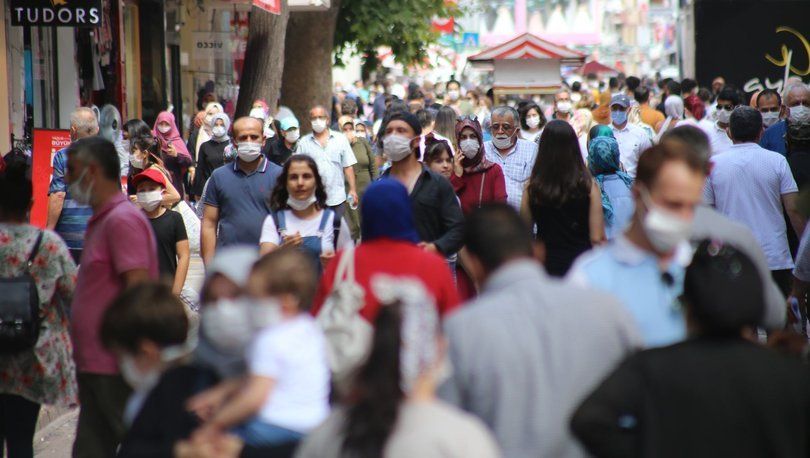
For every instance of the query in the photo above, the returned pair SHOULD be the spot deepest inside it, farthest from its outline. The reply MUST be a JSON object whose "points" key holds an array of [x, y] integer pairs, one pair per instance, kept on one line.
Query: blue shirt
{"points": [[774, 138], [634, 277], [623, 205], [517, 167], [242, 201], [72, 222]]}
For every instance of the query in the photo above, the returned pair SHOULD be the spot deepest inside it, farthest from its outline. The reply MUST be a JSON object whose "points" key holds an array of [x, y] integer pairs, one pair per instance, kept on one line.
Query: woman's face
{"points": [[138, 153], [219, 122], [466, 134], [443, 165], [300, 180]]}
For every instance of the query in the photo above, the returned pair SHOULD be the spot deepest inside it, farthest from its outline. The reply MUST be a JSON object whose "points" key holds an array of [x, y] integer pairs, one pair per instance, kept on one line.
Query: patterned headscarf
{"points": [[479, 162], [603, 160]]}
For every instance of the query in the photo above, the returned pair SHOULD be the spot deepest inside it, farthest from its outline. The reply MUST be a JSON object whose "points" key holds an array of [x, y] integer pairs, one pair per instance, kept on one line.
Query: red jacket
{"points": [[468, 188]]}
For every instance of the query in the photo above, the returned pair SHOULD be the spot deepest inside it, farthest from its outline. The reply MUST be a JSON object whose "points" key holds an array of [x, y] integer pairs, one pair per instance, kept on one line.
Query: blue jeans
{"points": [[260, 434]]}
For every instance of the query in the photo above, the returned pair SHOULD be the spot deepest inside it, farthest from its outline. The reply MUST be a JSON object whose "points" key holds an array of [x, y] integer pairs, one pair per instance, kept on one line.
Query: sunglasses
{"points": [[467, 117]]}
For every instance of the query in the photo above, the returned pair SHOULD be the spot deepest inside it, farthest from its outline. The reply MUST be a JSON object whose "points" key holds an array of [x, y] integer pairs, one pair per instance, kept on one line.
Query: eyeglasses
{"points": [[467, 117], [728, 107]]}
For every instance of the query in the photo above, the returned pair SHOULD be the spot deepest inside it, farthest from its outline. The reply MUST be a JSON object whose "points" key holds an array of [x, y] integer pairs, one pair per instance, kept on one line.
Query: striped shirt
{"points": [[72, 222], [517, 167]]}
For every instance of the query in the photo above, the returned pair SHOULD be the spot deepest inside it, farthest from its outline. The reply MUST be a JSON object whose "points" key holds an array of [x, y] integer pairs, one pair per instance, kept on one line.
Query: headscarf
{"points": [[695, 106], [172, 137], [204, 134], [386, 212], [673, 107], [263, 105], [603, 160], [479, 162], [600, 130], [226, 122]]}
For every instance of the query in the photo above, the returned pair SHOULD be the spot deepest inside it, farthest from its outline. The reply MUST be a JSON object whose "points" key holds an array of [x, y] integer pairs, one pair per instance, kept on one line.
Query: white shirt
{"points": [[632, 142], [718, 138], [526, 135], [293, 353], [746, 184], [331, 161], [308, 228]]}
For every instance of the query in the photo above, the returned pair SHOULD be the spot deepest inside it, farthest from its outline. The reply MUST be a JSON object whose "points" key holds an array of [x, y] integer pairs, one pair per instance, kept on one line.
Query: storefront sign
{"points": [[271, 6], [69, 13], [46, 142], [217, 45]]}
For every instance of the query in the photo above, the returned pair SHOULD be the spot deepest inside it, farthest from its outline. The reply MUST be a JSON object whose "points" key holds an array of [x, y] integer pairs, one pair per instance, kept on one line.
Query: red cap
{"points": [[151, 175]]}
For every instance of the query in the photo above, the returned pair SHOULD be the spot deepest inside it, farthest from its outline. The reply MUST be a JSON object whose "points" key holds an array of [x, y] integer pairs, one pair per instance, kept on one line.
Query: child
{"points": [[174, 253], [286, 391], [146, 327]]}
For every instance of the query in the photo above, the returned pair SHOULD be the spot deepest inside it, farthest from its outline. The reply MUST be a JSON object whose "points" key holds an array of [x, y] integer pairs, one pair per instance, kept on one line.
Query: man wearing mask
{"points": [[236, 197], [644, 268], [66, 216], [631, 138], [563, 106], [769, 104], [796, 109], [515, 155], [333, 154], [717, 131], [119, 251], [284, 147]]}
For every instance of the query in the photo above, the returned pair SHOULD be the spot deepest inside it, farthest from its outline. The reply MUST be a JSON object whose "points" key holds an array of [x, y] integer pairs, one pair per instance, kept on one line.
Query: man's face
{"points": [[768, 104], [718, 84], [727, 105], [796, 97], [678, 189], [562, 96], [319, 114], [248, 130]]}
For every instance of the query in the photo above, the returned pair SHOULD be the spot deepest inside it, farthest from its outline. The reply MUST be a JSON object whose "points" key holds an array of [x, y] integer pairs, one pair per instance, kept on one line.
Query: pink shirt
{"points": [[119, 239]]}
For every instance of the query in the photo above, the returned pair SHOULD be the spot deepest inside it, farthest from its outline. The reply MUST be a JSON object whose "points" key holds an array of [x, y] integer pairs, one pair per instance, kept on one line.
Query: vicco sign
{"points": [[65, 13]]}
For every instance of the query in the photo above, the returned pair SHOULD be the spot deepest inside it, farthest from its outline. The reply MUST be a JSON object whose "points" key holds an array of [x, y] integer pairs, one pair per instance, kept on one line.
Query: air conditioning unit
{"points": [[308, 5]]}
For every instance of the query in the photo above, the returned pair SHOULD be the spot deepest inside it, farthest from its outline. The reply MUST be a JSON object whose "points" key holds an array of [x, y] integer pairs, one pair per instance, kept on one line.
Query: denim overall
{"points": [[311, 245]]}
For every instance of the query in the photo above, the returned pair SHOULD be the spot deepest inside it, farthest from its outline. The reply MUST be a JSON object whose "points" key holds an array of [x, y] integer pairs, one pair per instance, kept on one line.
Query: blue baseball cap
{"points": [[621, 100], [289, 123]]}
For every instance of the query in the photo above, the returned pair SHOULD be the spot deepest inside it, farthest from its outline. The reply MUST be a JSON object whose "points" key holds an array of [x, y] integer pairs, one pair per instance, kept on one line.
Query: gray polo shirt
{"points": [[242, 200]]}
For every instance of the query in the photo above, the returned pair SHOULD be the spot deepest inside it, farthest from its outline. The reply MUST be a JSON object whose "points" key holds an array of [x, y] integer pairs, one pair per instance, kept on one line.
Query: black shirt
{"points": [[211, 156], [169, 229], [277, 152]]}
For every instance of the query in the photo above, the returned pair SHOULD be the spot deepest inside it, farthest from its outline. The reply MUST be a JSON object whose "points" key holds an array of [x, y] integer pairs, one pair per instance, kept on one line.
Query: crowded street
{"points": [[434, 228]]}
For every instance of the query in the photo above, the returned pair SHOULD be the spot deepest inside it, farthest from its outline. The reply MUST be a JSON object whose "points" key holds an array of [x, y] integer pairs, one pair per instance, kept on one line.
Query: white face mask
{"points": [[136, 379], [664, 229], [266, 312], [228, 324], [770, 118], [135, 161], [301, 204], [292, 136], [164, 129], [723, 116], [396, 147], [249, 151], [453, 95], [81, 196], [799, 114], [502, 141], [469, 147], [257, 113], [149, 200], [564, 106], [576, 97], [533, 121], [219, 131], [318, 125], [269, 133]]}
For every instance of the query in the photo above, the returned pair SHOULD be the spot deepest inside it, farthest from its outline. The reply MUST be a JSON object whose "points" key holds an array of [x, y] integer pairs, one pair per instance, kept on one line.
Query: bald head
{"points": [[248, 129], [83, 123]]}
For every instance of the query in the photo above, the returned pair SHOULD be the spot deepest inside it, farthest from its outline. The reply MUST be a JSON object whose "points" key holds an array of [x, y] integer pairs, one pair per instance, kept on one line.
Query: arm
{"points": [[452, 220], [55, 202], [596, 216], [183, 260], [797, 220], [458, 182], [208, 237], [373, 170], [57, 190], [246, 404], [266, 247], [349, 172]]}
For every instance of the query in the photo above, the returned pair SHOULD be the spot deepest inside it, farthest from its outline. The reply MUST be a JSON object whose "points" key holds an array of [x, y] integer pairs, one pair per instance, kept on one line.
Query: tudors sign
{"points": [[60, 13]]}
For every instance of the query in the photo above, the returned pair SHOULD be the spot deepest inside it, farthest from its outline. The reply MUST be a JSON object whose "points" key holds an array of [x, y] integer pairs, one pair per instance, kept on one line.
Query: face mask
{"points": [[318, 125], [301, 204], [139, 381], [164, 129], [81, 196], [218, 131], [664, 229], [469, 147], [453, 95], [502, 141], [266, 312], [125, 144], [149, 200], [292, 136], [723, 116], [396, 147], [257, 113], [618, 117], [799, 114], [136, 162], [770, 118], [269, 133], [360, 133], [576, 97], [249, 151], [533, 121], [228, 324], [564, 106]]}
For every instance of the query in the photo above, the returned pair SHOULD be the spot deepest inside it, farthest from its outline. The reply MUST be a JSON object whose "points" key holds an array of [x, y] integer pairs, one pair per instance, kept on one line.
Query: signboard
{"points": [[217, 45], [60, 13], [750, 49], [46, 142], [271, 6]]}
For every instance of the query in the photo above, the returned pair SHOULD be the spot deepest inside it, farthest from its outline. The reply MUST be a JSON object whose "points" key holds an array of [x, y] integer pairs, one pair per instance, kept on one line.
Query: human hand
{"points": [[191, 173], [326, 258], [204, 404], [458, 169], [353, 195], [171, 151], [292, 239], [428, 247], [205, 443]]}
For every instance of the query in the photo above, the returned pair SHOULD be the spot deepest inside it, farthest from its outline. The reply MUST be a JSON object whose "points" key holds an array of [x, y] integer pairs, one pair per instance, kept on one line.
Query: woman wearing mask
{"points": [[213, 152], [562, 200], [41, 373], [203, 134], [392, 410], [300, 217], [144, 156], [365, 170], [173, 151], [475, 179], [532, 121], [614, 183]]}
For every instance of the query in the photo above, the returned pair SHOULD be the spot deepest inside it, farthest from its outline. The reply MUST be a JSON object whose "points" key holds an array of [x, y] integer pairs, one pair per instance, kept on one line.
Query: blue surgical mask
{"points": [[618, 117]]}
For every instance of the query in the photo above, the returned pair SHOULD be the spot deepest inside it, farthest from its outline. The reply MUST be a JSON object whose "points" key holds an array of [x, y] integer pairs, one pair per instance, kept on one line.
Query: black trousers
{"points": [[18, 422]]}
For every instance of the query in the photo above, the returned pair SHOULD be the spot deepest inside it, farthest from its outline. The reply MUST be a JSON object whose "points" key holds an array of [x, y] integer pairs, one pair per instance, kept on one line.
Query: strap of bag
{"points": [[324, 219], [34, 252], [281, 221], [481, 191]]}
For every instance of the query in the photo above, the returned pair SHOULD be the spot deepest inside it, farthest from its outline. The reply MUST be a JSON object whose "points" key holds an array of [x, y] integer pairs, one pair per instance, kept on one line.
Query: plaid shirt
{"points": [[517, 167]]}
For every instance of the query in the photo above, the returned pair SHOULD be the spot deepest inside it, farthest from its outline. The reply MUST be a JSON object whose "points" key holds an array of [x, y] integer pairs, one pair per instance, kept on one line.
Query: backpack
{"points": [[348, 335], [19, 309]]}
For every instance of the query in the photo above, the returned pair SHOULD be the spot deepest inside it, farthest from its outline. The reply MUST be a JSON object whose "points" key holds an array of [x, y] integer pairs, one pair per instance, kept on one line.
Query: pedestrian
{"points": [[42, 372], [674, 109], [563, 108], [212, 153], [299, 216], [797, 143], [649, 115], [393, 410], [204, 133], [698, 398], [632, 139], [236, 198], [514, 155], [120, 252], [286, 144], [436, 211], [173, 252], [562, 200], [454, 100], [532, 121], [444, 128], [133, 129], [795, 109], [644, 266], [65, 215], [173, 151], [146, 156], [519, 329], [333, 154], [439, 157], [582, 122], [476, 180], [614, 183], [717, 130], [365, 170]]}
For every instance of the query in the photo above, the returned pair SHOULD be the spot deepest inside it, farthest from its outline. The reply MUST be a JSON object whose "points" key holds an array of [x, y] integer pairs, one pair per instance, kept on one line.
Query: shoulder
{"points": [[221, 172], [775, 130]]}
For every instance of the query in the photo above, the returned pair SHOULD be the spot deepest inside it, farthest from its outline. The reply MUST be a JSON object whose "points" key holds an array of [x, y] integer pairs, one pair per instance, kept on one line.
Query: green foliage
{"points": [[402, 25]]}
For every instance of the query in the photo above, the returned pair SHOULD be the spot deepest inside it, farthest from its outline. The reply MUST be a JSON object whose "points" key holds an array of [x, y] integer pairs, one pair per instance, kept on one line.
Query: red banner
{"points": [[46, 143], [444, 26], [271, 6]]}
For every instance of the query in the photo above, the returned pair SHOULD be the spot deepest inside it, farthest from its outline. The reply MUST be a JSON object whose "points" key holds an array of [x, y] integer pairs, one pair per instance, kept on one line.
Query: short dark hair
{"points": [[704, 94], [16, 190], [576, 86], [416, 95], [769, 93], [632, 83], [652, 160], [147, 311], [613, 82], [288, 270], [730, 94], [687, 84], [348, 106], [495, 234], [425, 117], [435, 150], [674, 87], [745, 124], [98, 150], [642, 95], [136, 128], [691, 136]]}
